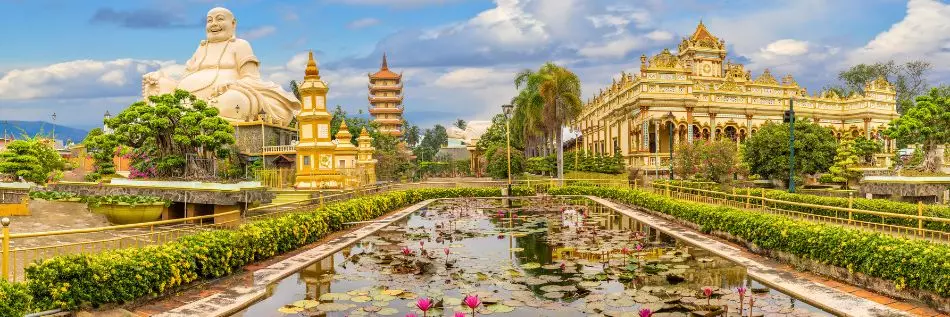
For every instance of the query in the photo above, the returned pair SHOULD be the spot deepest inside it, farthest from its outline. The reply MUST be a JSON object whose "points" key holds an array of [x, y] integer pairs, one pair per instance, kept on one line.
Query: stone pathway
{"points": [[830, 295], [231, 294]]}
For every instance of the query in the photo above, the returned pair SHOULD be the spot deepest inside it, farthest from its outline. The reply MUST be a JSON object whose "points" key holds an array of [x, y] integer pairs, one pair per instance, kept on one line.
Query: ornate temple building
{"points": [[321, 161], [696, 94], [385, 99]]}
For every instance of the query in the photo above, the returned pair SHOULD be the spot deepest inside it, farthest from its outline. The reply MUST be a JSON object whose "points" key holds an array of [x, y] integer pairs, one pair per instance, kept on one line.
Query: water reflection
{"points": [[541, 257]]}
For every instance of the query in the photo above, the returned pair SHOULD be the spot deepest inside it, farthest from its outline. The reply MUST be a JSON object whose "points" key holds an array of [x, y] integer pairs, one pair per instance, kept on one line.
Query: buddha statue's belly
{"points": [[202, 82]]}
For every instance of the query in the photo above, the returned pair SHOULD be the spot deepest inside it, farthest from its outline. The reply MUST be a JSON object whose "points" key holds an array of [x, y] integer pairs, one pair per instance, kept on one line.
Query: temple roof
{"points": [[702, 33], [312, 71], [384, 72]]}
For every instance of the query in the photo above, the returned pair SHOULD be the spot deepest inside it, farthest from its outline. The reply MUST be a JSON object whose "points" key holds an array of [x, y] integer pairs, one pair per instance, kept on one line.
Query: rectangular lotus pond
{"points": [[542, 257]]}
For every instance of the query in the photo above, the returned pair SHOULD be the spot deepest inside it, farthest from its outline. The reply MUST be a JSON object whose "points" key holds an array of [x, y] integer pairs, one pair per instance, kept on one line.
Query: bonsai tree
{"points": [[925, 123], [846, 160], [31, 159], [766, 152]]}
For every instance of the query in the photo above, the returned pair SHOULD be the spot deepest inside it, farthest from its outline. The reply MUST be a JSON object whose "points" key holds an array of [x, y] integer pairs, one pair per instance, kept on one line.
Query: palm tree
{"points": [[560, 91], [294, 88], [527, 113], [461, 124]]}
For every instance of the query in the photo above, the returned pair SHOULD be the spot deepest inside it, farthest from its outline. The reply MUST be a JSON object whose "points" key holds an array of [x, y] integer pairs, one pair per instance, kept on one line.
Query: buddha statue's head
{"points": [[220, 25]]}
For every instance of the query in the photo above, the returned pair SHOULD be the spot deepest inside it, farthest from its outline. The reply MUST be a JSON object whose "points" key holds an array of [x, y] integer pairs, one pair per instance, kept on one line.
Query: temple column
{"points": [[867, 129], [689, 125], [748, 126], [646, 128], [656, 136], [712, 127]]}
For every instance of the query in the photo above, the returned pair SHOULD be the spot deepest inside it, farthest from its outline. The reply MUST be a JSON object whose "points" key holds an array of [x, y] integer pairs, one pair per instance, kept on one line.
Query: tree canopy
{"points": [[548, 99], [766, 152], [32, 159], [909, 79], [170, 128], [926, 123]]}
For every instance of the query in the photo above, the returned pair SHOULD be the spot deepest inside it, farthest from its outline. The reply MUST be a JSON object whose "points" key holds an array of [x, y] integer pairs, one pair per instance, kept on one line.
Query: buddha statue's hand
{"points": [[222, 88]]}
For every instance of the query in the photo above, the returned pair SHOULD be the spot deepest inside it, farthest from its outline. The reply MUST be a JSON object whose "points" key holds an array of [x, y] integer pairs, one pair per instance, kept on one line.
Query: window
{"points": [[306, 160], [342, 164]]}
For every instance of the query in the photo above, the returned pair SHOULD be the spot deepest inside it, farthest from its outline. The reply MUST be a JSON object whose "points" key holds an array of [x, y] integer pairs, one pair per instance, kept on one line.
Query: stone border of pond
{"points": [[238, 298], [777, 276]]}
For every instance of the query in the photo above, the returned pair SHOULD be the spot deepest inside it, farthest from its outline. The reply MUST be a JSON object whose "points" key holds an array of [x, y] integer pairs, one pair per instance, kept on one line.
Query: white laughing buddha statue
{"points": [[225, 73]]}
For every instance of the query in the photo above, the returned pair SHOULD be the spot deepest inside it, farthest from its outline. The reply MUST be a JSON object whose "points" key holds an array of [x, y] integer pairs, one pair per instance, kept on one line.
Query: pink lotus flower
{"points": [[459, 314], [708, 293], [411, 315], [646, 312], [563, 266], [447, 251], [639, 247], [424, 304], [741, 290], [406, 251], [472, 302], [624, 250]]}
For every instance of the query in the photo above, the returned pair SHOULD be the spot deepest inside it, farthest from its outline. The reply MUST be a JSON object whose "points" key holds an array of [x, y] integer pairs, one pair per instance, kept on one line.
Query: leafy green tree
{"points": [[909, 79], [102, 148], [32, 159], [497, 162], [865, 150], [295, 88], [686, 159], [765, 153], [925, 123], [846, 160], [171, 127], [718, 160], [411, 135]]}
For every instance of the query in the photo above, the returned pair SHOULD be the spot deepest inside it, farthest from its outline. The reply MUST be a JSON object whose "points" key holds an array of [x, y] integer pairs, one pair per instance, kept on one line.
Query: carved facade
{"points": [[698, 94]]}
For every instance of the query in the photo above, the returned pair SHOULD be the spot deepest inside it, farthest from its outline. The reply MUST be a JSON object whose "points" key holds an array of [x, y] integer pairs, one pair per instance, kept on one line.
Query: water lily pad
{"points": [[554, 295], [334, 296], [290, 310], [499, 308], [531, 265], [388, 311], [361, 299], [391, 292], [332, 307]]}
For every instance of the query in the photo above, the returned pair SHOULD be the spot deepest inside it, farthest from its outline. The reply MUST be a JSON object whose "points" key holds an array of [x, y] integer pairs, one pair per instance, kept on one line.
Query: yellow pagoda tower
{"points": [[315, 162], [345, 156], [385, 98], [365, 160]]}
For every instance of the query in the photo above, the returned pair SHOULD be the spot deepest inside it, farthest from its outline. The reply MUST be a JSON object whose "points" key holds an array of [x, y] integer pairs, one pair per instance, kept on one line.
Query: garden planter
{"points": [[123, 214]]}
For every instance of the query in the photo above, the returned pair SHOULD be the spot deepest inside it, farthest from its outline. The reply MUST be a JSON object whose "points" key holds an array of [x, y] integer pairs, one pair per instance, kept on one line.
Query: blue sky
{"points": [[81, 58]]}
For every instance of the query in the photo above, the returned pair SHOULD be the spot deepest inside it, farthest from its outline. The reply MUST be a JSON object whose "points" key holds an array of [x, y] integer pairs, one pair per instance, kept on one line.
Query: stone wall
{"points": [[927, 192], [248, 138], [191, 196]]}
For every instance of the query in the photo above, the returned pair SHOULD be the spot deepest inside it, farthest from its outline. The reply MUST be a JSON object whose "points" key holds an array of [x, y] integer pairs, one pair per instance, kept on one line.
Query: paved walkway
{"points": [[839, 298]]}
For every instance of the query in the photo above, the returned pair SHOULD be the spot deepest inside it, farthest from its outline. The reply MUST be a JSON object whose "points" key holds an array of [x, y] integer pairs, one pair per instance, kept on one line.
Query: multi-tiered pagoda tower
{"points": [[385, 99]]}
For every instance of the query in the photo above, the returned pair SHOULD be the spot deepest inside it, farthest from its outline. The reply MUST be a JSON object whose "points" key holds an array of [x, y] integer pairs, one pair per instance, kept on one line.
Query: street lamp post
{"points": [[669, 126], [54, 127], [791, 145], [507, 110]]}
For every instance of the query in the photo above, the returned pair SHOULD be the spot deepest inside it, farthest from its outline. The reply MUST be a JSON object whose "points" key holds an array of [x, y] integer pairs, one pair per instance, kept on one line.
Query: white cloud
{"points": [[924, 33], [617, 48], [259, 32], [78, 79], [786, 47], [660, 36], [474, 78], [362, 23], [392, 3]]}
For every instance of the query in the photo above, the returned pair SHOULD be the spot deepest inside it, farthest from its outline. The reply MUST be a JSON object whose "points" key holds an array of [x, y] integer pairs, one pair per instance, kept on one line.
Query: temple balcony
{"points": [[280, 149], [384, 121], [373, 99], [385, 110]]}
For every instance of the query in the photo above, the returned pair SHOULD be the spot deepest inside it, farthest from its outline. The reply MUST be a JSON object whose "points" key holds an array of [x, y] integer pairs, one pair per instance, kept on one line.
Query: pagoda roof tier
{"points": [[388, 121], [389, 110], [373, 99]]}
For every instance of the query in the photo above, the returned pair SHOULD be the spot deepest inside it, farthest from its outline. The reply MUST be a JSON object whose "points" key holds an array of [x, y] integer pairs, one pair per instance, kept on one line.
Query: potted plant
{"points": [[128, 209]]}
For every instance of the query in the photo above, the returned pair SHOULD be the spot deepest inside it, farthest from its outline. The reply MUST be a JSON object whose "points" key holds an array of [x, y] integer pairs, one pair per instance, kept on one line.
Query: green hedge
{"points": [[881, 205], [15, 299], [913, 264], [121, 276]]}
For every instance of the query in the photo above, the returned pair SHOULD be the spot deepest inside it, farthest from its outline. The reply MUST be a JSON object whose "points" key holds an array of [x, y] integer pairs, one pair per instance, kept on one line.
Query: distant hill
{"points": [[17, 128]]}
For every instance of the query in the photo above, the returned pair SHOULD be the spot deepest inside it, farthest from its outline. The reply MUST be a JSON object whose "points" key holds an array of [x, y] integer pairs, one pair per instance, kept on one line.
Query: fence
{"points": [[15, 260], [919, 226]]}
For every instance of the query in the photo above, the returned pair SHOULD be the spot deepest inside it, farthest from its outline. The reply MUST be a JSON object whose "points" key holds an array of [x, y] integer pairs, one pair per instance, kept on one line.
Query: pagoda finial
{"points": [[385, 64], [364, 132], [312, 72]]}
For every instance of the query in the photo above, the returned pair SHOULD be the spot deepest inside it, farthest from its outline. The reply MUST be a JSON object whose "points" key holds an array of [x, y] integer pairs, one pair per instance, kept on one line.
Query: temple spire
{"points": [[312, 72], [385, 64]]}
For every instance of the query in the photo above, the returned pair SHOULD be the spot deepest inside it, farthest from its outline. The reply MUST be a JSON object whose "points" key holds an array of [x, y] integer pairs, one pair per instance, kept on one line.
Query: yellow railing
{"points": [[743, 199], [15, 260]]}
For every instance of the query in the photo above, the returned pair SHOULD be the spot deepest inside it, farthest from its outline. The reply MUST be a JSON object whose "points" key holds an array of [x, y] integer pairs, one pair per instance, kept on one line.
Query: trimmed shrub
{"points": [[121, 276], [15, 299], [909, 263]]}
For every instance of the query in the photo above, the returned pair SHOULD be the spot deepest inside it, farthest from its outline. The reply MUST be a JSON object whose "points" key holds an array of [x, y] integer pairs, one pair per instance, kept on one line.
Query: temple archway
{"points": [[731, 133]]}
